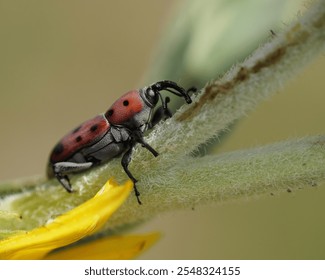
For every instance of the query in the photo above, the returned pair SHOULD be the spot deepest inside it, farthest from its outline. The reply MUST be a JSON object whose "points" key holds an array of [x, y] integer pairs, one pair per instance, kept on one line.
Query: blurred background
{"points": [[62, 62]]}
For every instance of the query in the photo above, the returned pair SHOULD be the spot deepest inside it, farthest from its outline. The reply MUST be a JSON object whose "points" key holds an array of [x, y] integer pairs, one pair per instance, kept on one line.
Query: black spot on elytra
{"points": [[126, 102], [94, 128], [76, 129], [78, 139], [110, 112], [58, 149]]}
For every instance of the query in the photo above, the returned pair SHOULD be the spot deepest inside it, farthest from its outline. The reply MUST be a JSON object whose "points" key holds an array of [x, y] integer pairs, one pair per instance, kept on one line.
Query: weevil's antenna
{"points": [[167, 100], [164, 102]]}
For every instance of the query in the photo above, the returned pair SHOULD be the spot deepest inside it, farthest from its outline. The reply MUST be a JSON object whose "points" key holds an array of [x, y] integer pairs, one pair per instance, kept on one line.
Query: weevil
{"points": [[113, 133]]}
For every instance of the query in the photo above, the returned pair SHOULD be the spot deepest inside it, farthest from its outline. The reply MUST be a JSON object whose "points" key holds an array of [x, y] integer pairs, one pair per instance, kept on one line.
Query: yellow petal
{"points": [[67, 228], [108, 248]]}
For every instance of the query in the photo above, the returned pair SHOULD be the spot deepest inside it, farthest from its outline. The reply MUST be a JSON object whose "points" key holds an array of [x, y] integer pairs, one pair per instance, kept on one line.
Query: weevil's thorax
{"points": [[132, 110]]}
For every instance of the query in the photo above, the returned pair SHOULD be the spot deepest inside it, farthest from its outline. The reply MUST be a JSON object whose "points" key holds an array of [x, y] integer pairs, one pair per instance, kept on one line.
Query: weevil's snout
{"points": [[173, 88]]}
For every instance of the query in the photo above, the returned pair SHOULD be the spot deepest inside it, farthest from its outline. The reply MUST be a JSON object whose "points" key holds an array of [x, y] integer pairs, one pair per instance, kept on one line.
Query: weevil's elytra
{"points": [[113, 133], [76, 129]]}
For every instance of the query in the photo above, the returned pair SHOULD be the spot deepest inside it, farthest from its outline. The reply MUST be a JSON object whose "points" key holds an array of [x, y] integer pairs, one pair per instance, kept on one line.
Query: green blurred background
{"points": [[62, 62]]}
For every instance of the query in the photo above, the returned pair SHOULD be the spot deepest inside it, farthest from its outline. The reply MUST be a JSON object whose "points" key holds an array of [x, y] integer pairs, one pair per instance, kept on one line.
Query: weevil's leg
{"points": [[156, 118], [66, 167], [65, 182], [148, 147], [125, 163], [139, 138], [61, 169], [160, 114]]}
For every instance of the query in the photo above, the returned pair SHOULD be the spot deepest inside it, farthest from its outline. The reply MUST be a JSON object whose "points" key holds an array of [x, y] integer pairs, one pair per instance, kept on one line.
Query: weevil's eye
{"points": [[151, 93], [151, 96]]}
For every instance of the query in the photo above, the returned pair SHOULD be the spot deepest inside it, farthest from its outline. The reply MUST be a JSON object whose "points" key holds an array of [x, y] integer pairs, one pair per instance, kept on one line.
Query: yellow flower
{"points": [[108, 248], [68, 228]]}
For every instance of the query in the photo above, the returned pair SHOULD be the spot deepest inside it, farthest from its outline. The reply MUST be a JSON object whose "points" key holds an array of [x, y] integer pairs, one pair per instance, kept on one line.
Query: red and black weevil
{"points": [[115, 132]]}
